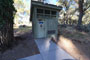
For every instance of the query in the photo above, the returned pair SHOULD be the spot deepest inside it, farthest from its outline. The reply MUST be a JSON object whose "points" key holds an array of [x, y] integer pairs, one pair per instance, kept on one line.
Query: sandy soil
{"points": [[24, 47], [75, 43]]}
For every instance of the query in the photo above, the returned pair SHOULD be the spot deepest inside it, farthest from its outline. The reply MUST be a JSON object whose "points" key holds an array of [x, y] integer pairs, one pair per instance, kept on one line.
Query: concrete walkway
{"points": [[49, 51]]}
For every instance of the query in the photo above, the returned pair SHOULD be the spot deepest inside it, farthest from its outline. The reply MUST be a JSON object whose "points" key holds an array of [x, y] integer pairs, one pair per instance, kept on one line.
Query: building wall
{"points": [[50, 26]]}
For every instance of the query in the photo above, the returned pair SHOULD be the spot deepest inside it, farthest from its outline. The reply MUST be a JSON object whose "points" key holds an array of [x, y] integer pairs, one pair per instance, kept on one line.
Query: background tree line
{"points": [[75, 12]]}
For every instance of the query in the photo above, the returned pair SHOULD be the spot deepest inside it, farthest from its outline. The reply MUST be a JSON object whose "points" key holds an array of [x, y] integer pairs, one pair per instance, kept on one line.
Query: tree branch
{"points": [[86, 8]]}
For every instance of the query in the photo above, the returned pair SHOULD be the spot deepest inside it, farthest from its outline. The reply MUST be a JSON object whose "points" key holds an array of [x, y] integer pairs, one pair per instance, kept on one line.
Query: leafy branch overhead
{"points": [[7, 11]]}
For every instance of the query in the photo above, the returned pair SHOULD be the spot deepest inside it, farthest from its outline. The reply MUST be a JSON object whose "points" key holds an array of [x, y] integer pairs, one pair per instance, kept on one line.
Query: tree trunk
{"points": [[7, 13], [80, 13], [80, 19], [6, 34]]}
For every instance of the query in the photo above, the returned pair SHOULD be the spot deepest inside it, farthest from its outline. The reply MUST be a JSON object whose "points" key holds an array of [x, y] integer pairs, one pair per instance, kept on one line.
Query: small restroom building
{"points": [[44, 19]]}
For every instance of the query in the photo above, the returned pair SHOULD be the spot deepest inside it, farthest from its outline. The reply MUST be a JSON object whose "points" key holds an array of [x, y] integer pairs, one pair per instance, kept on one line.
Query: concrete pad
{"points": [[46, 45], [34, 57], [56, 55], [50, 51]]}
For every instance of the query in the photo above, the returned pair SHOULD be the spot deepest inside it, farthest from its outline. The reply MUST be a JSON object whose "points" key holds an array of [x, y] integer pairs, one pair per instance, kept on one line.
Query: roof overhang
{"points": [[45, 5]]}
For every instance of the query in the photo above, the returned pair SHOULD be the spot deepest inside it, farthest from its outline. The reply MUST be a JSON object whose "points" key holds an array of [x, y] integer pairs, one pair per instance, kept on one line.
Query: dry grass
{"points": [[75, 43], [22, 30]]}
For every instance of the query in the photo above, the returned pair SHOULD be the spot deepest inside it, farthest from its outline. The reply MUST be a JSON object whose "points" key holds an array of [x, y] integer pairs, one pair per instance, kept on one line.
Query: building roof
{"points": [[45, 5]]}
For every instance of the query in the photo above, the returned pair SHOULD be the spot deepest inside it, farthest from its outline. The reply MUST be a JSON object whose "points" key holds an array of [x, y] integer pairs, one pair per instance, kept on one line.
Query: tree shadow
{"points": [[76, 43], [23, 45]]}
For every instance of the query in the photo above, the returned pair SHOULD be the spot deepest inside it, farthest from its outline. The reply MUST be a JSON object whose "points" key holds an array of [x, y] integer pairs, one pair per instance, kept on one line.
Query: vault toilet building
{"points": [[44, 19]]}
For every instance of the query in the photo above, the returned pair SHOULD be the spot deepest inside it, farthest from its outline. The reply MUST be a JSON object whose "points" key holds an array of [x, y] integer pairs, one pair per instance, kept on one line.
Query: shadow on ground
{"points": [[75, 43], [23, 46]]}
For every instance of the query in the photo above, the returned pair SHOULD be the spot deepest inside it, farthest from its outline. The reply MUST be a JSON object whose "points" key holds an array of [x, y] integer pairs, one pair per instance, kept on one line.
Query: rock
{"points": [[22, 26]]}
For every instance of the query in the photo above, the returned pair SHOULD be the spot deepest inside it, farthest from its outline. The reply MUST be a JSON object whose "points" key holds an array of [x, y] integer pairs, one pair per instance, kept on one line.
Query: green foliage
{"points": [[7, 12], [21, 7], [70, 13]]}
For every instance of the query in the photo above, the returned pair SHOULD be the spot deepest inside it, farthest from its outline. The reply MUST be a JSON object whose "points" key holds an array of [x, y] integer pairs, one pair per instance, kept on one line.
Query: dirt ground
{"points": [[76, 43], [25, 45]]}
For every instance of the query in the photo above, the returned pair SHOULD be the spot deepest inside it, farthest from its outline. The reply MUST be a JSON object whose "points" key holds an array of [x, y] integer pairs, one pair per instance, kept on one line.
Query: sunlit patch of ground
{"points": [[75, 43], [22, 30]]}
